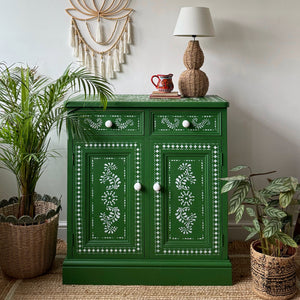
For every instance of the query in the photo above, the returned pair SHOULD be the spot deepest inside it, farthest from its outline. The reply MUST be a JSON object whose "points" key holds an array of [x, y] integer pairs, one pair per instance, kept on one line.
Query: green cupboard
{"points": [[144, 201]]}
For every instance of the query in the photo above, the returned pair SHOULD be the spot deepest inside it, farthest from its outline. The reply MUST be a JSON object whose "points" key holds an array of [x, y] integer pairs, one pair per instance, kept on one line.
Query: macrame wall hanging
{"points": [[101, 34]]}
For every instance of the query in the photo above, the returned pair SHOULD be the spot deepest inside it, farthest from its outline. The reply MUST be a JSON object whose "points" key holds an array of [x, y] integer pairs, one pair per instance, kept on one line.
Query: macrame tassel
{"points": [[88, 60], [125, 46], [102, 67], [76, 48], [116, 60], [95, 64], [99, 31], [121, 52], [129, 38], [81, 52], [110, 67], [72, 36]]}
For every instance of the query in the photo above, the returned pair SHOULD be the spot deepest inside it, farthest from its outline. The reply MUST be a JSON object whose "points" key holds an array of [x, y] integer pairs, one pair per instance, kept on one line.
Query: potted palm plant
{"points": [[271, 209], [30, 107]]}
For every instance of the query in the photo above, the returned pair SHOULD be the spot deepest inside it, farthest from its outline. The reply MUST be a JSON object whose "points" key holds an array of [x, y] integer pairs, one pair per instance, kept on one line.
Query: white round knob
{"points": [[186, 124], [156, 187], [108, 124], [137, 186]]}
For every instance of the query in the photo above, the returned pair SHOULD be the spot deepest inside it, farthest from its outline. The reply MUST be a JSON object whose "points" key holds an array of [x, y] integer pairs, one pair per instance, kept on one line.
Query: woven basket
{"points": [[28, 251], [273, 277]]}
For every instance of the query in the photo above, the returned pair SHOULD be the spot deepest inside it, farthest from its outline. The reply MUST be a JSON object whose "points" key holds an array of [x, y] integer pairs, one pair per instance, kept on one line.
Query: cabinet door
{"points": [[187, 210], [108, 210]]}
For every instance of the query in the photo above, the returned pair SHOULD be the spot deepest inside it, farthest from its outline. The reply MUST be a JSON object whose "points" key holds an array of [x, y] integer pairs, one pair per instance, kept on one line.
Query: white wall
{"points": [[254, 62]]}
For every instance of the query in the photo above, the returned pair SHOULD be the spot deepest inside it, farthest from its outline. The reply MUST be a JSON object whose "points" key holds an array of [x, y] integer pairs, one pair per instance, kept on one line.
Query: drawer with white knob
{"points": [[110, 123], [202, 122]]}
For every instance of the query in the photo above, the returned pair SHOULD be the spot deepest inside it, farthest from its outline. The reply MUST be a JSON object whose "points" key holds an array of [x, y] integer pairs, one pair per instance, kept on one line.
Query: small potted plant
{"points": [[30, 107], [273, 266]]}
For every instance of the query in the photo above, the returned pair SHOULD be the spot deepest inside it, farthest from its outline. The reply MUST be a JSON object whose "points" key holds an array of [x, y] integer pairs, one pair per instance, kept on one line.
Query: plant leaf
{"points": [[294, 183], [274, 212], [286, 198], [251, 212], [251, 201], [229, 186], [238, 168], [260, 198], [265, 221], [256, 224], [286, 239], [250, 229], [273, 227], [239, 213], [273, 203], [282, 184], [234, 178], [238, 196], [267, 194], [251, 235]]}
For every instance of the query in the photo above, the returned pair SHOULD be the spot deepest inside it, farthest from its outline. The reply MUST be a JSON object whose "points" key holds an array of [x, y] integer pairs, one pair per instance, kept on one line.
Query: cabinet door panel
{"points": [[187, 209], [108, 219]]}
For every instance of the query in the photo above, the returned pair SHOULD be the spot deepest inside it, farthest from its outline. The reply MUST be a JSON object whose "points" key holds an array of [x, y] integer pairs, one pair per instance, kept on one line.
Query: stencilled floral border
{"points": [[128, 123], [209, 123], [214, 150], [79, 157], [185, 213], [111, 184]]}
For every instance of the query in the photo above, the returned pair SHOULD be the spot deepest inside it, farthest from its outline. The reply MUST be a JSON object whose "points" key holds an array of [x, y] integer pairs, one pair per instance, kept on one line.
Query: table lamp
{"points": [[193, 21]]}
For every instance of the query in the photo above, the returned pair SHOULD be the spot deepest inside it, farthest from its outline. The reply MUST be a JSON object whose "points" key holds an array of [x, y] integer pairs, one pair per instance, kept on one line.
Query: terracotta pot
{"points": [[273, 277]]}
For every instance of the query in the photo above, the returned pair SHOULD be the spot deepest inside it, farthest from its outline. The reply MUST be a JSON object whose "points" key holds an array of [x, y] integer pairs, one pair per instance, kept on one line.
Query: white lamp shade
{"points": [[194, 21]]}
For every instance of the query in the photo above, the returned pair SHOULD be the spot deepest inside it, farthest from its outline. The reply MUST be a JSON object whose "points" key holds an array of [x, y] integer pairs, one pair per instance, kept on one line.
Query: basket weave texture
{"points": [[273, 277], [28, 251], [193, 82]]}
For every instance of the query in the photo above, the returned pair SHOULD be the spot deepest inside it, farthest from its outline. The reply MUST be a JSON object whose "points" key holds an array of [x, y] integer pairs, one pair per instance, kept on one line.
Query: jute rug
{"points": [[49, 286]]}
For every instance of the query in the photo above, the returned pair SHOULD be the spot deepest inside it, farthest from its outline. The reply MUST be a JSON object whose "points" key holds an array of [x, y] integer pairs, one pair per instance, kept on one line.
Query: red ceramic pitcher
{"points": [[164, 83]]}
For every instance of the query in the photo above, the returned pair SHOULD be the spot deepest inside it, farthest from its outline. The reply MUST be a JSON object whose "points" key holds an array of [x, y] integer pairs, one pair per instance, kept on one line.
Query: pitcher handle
{"points": [[153, 81]]}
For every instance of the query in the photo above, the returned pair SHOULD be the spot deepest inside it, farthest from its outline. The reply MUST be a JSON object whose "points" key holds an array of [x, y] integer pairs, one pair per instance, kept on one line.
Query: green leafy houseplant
{"points": [[30, 107], [268, 207]]}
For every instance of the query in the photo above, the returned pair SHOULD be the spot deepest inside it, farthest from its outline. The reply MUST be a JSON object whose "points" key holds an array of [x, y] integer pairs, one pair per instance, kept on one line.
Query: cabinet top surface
{"points": [[212, 101]]}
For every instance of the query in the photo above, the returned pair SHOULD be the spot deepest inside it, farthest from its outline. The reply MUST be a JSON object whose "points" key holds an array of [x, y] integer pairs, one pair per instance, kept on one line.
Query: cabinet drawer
{"points": [[187, 123], [110, 123]]}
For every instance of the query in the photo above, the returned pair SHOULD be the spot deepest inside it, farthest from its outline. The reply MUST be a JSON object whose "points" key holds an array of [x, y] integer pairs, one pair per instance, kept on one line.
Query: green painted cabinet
{"points": [[144, 201]]}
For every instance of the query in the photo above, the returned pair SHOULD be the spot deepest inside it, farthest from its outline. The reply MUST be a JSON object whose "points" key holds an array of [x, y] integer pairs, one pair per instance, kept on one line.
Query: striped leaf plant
{"points": [[31, 106], [270, 208]]}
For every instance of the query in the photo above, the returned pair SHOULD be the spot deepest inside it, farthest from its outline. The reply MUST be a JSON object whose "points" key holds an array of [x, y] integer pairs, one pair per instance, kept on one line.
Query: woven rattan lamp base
{"points": [[193, 82]]}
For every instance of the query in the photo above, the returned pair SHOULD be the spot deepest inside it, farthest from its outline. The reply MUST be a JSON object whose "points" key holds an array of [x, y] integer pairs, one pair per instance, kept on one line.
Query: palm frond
{"points": [[32, 106]]}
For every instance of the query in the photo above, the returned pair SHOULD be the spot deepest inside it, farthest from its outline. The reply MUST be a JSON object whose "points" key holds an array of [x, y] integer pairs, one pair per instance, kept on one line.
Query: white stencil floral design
{"points": [[187, 176], [107, 175], [125, 124], [108, 220], [169, 124], [186, 198], [188, 221], [94, 125], [110, 198], [201, 124]]}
